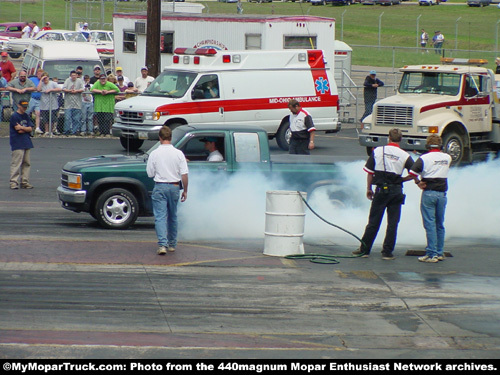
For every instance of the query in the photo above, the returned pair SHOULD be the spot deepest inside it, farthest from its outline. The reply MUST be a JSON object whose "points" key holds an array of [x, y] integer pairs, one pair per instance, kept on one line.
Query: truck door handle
{"points": [[221, 110]]}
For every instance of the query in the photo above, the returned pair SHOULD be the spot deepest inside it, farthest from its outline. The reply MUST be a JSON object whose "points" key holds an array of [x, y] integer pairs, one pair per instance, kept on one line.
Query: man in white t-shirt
{"points": [[211, 147], [26, 31], [142, 82], [35, 30]]}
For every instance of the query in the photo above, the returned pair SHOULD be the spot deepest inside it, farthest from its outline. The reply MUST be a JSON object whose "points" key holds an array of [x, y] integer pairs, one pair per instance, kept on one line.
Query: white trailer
{"points": [[222, 32]]}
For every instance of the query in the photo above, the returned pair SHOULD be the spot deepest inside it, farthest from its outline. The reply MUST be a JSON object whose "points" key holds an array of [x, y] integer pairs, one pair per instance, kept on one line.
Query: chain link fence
{"points": [[53, 119]]}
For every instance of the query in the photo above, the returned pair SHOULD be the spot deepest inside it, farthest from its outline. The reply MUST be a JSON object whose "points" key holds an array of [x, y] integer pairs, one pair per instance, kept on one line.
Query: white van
{"points": [[206, 86], [60, 58]]}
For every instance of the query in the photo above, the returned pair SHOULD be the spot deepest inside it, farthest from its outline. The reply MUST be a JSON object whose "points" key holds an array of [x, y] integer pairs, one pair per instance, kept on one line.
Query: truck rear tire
{"points": [[131, 144], [283, 136], [453, 145], [116, 209]]}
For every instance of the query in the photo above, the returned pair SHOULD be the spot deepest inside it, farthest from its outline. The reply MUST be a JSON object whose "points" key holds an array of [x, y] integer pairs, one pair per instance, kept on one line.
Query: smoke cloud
{"points": [[235, 206]]}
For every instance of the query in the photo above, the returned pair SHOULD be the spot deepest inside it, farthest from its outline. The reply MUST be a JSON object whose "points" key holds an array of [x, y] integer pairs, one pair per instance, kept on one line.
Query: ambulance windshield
{"points": [[171, 84], [430, 83]]}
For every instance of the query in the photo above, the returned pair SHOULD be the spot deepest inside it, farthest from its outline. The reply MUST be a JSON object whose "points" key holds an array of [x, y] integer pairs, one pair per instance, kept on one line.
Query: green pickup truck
{"points": [[115, 189]]}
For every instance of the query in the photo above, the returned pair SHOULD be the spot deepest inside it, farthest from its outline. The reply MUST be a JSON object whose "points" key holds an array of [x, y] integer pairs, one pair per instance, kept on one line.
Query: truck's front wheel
{"points": [[283, 136], [116, 209], [131, 144], [453, 144]]}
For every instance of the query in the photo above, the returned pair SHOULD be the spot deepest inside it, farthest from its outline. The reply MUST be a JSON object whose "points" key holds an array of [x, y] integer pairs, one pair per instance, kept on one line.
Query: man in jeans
{"points": [[433, 167], [72, 88], [168, 167]]}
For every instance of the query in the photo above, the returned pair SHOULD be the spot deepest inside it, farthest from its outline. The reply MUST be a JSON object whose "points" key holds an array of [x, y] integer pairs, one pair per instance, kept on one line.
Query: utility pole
{"points": [[153, 37]]}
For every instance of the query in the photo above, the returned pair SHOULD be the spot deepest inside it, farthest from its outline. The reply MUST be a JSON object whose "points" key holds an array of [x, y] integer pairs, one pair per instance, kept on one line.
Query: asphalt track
{"points": [[69, 289]]}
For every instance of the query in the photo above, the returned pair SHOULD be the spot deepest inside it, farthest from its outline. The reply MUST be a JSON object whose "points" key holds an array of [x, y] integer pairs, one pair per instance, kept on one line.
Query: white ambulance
{"points": [[206, 86]]}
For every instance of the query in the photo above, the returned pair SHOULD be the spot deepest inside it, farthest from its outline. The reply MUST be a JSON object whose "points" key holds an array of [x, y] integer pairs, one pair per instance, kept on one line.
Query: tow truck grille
{"points": [[132, 117], [394, 115]]}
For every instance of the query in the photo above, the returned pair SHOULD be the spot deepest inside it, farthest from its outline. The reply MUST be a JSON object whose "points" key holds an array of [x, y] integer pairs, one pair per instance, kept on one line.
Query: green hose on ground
{"points": [[324, 258]]}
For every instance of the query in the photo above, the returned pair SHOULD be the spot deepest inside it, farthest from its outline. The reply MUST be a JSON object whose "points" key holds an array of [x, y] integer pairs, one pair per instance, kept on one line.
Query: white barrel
{"points": [[285, 218]]}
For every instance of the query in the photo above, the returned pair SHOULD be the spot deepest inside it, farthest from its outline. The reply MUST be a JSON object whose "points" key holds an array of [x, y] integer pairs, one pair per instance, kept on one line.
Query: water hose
{"points": [[324, 258]]}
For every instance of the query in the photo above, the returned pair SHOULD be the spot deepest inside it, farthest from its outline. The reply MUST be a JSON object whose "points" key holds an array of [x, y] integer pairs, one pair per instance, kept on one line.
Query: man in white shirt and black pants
{"points": [[168, 167], [433, 167], [385, 167], [302, 128]]}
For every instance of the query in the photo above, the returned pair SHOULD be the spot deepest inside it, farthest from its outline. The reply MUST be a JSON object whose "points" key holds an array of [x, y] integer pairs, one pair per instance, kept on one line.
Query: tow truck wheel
{"points": [[283, 136], [131, 144], [116, 209], [453, 145]]}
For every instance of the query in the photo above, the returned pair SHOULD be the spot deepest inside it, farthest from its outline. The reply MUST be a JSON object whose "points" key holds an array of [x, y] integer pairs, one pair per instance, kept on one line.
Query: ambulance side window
{"points": [[206, 88]]}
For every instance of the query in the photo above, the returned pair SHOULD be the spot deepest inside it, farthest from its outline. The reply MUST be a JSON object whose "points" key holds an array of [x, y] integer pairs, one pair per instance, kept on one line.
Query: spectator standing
{"points": [[21, 127], [371, 84], [85, 30], [49, 105], [131, 91], [104, 103], [142, 82], [26, 32], [119, 73], [97, 74], [302, 128], [424, 38], [168, 168], [122, 87], [384, 168], [35, 30], [438, 41], [8, 69], [87, 107], [35, 101], [72, 89], [433, 168], [21, 88], [47, 26], [497, 62], [3, 88]]}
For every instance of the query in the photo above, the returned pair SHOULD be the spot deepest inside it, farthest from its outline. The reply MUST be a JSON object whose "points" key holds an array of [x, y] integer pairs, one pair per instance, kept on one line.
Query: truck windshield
{"points": [[171, 84], [62, 68], [430, 83]]}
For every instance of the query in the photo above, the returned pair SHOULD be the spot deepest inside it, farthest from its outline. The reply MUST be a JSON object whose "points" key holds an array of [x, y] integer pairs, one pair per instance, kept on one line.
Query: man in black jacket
{"points": [[370, 92]]}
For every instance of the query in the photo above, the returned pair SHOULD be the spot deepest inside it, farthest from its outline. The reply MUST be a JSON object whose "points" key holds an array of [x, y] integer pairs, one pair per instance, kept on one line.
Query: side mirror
{"points": [[197, 94]]}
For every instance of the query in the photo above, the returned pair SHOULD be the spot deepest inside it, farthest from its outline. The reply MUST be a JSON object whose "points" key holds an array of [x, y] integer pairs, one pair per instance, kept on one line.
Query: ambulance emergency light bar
{"points": [[459, 61], [311, 56]]}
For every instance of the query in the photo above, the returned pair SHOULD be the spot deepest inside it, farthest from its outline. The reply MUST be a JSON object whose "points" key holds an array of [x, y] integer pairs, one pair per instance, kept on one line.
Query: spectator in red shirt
{"points": [[8, 69]]}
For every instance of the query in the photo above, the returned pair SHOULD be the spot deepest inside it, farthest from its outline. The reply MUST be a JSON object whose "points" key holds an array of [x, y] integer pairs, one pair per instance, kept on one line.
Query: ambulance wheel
{"points": [[283, 136], [131, 144], [453, 145]]}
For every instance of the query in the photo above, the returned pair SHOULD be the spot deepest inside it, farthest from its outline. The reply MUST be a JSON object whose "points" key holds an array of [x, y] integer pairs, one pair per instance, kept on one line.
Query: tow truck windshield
{"points": [[430, 83], [170, 84]]}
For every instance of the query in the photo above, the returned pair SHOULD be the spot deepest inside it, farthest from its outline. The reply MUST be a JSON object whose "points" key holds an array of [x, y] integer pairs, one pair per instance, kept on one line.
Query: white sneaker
{"points": [[38, 131], [428, 259], [162, 250]]}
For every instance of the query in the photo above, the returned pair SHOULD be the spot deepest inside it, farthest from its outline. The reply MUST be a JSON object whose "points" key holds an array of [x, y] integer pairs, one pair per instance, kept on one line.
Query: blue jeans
{"points": [[87, 117], [165, 198], [433, 207], [72, 120]]}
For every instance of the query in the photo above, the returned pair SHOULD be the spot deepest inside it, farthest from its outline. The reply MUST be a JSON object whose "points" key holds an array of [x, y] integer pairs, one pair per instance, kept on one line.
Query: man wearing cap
{"points": [[21, 127], [97, 74], [433, 167], [168, 168], [370, 92], [119, 73], [211, 147], [104, 103], [21, 88], [8, 69], [142, 82], [85, 30], [47, 26]]}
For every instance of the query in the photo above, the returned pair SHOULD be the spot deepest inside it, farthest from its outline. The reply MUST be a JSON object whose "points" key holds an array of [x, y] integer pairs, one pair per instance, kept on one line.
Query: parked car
{"points": [[333, 2], [388, 2], [478, 3], [12, 29], [16, 47], [103, 40], [428, 2]]}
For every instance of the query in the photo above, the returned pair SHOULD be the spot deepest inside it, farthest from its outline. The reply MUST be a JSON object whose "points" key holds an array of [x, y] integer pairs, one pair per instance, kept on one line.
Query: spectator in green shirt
{"points": [[104, 103]]}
